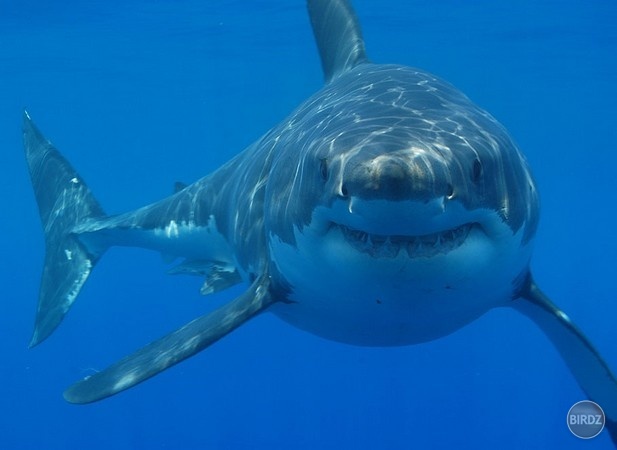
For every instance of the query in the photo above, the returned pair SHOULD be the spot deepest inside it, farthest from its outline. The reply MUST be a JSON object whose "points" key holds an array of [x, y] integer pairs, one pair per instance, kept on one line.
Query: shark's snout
{"points": [[404, 176]]}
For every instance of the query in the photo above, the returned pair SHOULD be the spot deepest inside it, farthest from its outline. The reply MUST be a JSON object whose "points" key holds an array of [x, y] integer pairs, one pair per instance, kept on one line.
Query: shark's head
{"points": [[412, 204]]}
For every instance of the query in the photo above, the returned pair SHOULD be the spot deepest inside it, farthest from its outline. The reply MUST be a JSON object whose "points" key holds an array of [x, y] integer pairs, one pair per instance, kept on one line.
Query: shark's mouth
{"points": [[426, 246]]}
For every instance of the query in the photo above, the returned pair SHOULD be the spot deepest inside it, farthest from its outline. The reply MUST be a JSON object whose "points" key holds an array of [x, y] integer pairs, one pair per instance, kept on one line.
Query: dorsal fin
{"points": [[178, 186], [338, 36]]}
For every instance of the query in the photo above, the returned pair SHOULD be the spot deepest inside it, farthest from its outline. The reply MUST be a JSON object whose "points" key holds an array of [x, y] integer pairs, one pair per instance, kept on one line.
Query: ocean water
{"points": [[141, 94]]}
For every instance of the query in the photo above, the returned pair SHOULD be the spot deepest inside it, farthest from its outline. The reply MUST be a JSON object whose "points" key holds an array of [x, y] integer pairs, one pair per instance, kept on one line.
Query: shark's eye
{"points": [[476, 171], [323, 169]]}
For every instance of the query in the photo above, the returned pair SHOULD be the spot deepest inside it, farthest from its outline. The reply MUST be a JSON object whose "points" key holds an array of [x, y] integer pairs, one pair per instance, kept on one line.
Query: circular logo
{"points": [[585, 419]]}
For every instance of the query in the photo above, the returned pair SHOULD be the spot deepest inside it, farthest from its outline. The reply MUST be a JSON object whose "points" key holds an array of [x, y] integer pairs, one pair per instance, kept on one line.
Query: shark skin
{"points": [[387, 209]]}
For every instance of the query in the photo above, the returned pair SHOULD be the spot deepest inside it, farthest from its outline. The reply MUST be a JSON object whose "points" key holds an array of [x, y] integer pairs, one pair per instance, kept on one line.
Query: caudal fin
{"points": [[64, 201]]}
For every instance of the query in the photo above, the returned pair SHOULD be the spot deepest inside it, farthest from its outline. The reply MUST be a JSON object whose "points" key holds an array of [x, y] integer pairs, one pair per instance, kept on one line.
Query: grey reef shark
{"points": [[386, 210]]}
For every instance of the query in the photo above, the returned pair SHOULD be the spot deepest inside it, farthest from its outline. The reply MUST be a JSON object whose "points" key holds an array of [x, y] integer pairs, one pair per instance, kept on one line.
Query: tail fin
{"points": [[64, 201]]}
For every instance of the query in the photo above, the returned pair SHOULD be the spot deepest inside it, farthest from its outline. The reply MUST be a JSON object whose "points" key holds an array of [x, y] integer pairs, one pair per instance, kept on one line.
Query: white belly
{"points": [[349, 296]]}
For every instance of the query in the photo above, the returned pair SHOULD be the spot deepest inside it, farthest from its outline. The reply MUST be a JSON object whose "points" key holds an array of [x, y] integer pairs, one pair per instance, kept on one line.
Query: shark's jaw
{"points": [[418, 246], [397, 273]]}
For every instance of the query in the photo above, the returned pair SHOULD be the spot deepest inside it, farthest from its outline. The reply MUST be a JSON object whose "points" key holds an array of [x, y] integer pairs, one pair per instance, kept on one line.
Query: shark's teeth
{"points": [[428, 245]]}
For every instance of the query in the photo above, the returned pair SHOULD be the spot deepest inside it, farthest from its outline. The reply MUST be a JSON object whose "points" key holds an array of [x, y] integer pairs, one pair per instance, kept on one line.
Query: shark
{"points": [[386, 210]]}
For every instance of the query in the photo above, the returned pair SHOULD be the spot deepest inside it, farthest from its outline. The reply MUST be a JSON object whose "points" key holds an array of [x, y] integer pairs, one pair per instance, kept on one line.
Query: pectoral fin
{"points": [[590, 370], [173, 348]]}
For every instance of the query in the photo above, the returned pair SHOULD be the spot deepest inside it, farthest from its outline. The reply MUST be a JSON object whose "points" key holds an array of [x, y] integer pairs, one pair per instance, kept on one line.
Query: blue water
{"points": [[141, 94]]}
